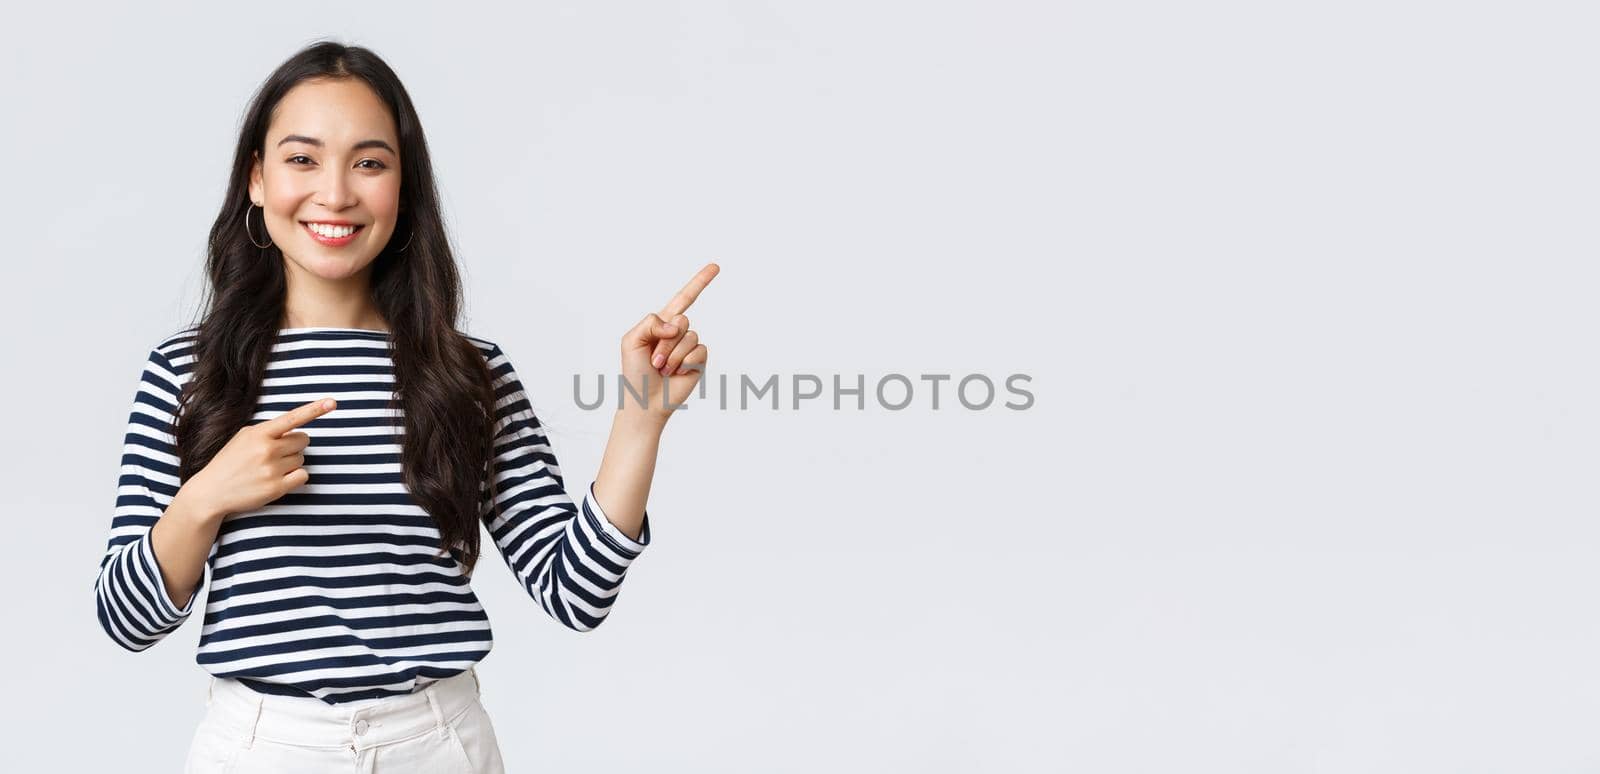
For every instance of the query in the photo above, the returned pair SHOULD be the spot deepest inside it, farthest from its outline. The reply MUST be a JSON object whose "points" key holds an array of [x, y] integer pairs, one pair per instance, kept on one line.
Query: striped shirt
{"points": [[333, 590]]}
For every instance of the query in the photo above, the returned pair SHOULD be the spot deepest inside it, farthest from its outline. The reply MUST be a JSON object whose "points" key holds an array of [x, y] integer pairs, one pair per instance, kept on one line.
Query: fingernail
{"points": [[327, 404], [659, 361]]}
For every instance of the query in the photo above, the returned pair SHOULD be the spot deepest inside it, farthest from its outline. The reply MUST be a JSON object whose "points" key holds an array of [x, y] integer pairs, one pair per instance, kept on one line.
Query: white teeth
{"points": [[334, 232]]}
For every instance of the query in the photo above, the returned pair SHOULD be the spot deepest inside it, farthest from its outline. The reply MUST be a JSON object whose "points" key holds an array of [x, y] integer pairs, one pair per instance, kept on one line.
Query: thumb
{"points": [[649, 329]]}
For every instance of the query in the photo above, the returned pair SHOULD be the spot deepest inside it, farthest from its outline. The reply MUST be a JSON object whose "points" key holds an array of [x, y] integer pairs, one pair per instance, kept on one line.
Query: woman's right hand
{"points": [[261, 463]]}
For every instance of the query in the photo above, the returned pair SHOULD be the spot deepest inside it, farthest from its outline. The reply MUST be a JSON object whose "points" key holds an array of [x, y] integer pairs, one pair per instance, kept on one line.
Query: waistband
{"points": [[310, 722]]}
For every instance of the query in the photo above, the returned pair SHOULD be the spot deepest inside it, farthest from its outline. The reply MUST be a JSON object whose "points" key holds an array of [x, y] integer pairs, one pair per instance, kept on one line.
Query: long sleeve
{"points": [[130, 591], [570, 558]]}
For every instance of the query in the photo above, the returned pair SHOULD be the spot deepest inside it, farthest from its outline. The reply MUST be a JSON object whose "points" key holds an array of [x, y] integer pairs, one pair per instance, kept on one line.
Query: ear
{"points": [[257, 190]]}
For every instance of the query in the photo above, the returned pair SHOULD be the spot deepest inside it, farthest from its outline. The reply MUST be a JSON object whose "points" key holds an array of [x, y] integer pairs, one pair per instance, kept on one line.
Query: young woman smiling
{"points": [[328, 447]]}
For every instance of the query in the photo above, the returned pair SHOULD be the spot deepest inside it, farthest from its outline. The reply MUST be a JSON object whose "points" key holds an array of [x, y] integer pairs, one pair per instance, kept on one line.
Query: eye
{"points": [[380, 165], [291, 159]]}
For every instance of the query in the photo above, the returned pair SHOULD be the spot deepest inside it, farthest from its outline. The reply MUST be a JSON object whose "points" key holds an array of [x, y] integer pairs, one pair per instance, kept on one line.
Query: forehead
{"points": [[334, 111]]}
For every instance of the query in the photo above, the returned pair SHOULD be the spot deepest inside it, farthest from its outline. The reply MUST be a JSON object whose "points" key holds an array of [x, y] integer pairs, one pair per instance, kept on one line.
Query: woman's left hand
{"points": [[663, 346]]}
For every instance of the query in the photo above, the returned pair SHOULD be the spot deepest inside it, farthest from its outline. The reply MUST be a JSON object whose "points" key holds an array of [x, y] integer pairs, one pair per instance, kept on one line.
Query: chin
{"points": [[333, 267]]}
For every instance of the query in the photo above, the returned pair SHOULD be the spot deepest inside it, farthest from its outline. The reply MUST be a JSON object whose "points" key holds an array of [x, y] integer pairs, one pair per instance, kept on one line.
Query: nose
{"points": [[335, 193]]}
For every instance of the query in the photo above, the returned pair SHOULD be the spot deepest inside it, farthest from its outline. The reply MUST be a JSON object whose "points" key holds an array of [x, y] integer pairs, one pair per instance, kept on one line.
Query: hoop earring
{"points": [[409, 237], [263, 222]]}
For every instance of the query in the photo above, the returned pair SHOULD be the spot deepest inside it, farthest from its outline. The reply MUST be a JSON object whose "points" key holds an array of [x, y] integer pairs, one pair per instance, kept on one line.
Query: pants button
{"points": [[361, 727]]}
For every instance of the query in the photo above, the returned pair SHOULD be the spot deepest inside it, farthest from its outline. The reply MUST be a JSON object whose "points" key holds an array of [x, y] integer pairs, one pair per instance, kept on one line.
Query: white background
{"points": [[1306, 291]]}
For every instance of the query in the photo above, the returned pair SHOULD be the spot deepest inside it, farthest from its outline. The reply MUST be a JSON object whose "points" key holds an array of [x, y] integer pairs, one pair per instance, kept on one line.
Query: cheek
{"points": [[383, 200], [283, 200]]}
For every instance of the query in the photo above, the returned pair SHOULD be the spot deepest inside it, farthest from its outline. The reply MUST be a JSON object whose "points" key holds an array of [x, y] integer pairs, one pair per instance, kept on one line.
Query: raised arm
{"points": [[568, 556]]}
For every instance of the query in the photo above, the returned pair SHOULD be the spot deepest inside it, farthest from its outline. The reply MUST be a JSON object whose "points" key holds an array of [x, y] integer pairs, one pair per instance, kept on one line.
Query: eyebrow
{"points": [[319, 143]]}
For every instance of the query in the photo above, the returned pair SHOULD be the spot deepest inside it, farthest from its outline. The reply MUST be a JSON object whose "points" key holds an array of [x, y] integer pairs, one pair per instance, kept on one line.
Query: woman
{"points": [[325, 444]]}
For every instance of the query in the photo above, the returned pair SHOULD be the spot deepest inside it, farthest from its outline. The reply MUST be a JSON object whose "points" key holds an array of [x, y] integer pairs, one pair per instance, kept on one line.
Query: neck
{"points": [[311, 301]]}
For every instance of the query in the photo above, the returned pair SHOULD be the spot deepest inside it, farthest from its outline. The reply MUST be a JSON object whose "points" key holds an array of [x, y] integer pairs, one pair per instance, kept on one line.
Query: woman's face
{"points": [[332, 158]]}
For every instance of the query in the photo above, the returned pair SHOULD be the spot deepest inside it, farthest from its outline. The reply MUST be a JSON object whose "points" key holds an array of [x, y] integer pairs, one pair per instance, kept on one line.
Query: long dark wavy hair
{"points": [[442, 381]]}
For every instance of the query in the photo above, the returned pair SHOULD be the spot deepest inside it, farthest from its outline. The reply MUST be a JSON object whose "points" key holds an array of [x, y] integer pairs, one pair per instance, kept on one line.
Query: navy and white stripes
{"points": [[333, 591]]}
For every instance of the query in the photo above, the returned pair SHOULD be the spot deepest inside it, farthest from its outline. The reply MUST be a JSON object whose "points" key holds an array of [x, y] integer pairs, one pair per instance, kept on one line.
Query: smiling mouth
{"points": [[332, 235]]}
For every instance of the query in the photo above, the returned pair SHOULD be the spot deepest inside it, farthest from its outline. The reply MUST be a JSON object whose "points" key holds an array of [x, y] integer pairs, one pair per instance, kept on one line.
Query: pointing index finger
{"points": [[680, 302], [297, 416]]}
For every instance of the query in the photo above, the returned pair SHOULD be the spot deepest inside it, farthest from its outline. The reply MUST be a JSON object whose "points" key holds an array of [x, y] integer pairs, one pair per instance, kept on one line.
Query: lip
{"points": [[330, 241]]}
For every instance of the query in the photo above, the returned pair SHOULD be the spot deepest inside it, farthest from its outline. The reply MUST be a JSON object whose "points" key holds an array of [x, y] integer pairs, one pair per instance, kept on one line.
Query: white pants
{"points": [[439, 729]]}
